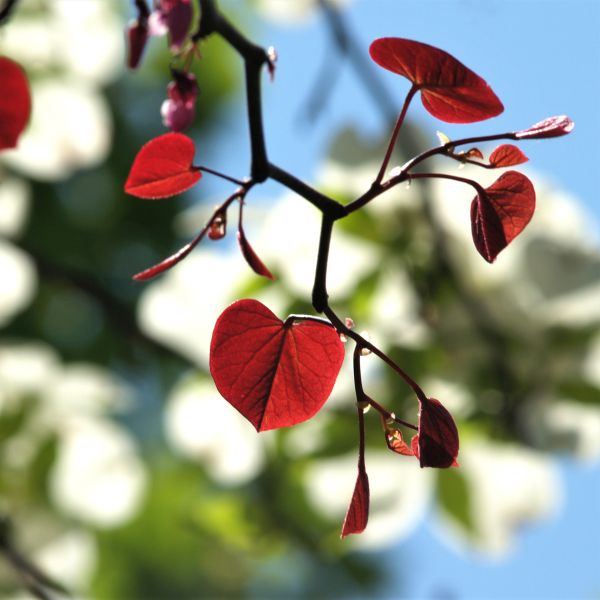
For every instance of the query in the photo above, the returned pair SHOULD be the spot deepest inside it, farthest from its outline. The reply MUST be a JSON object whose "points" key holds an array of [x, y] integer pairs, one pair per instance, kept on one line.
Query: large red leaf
{"points": [[550, 127], [436, 444], [449, 90], [163, 167], [507, 155], [500, 213], [358, 510], [15, 102], [275, 374]]}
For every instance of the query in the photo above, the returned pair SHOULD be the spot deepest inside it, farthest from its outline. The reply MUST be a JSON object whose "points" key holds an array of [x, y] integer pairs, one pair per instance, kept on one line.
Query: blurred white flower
{"points": [[78, 134], [68, 49], [181, 308], [18, 281], [70, 558], [98, 476], [84, 389], [26, 369], [509, 487], [400, 494], [203, 426], [14, 205], [565, 425]]}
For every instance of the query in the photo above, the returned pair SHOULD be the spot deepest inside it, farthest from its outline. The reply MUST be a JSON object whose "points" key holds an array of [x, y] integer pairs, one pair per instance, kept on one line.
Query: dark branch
{"points": [[6, 10]]}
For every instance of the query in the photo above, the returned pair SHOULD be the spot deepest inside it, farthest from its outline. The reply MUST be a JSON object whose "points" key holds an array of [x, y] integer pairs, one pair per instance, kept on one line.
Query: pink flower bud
{"points": [[174, 16], [179, 110]]}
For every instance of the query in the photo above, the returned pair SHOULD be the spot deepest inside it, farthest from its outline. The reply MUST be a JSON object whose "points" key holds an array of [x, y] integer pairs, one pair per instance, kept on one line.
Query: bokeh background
{"points": [[125, 475]]}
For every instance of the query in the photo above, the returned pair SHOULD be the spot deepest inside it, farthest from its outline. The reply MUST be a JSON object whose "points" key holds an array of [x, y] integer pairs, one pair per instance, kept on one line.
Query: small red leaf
{"points": [[251, 257], [396, 443], [163, 167], [358, 510], [436, 444], [449, 90], [15, 102], [507, 155], [275, 374], [550, 127], [501, 213], [167, 263]]}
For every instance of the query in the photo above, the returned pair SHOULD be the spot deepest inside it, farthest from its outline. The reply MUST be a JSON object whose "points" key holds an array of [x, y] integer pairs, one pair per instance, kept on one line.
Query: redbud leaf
{"points": [[501, 212], [15, 102], [358, 510], [550, 127], [163, 167], [275, 374], [507, 155], [436, 444], [251, 257], [449, 90], [396, 443]]}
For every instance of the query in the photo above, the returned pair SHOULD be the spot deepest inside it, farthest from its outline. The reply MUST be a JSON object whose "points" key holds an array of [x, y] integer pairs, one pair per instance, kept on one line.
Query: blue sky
{"points": [[542, 58]]}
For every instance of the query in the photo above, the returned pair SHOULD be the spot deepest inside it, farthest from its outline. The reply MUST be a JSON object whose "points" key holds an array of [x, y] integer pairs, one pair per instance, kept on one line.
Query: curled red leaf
{"points": [[507, 155], [550, 127], [396, 443], [501, 212], [436, 444], [15, 102], [163, 167], [449, 90], [251, 257], [357, 515], [275, 374]]}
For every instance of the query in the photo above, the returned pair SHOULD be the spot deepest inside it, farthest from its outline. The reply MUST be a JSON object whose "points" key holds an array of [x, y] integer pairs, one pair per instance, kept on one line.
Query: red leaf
{"points": [[449, 90], [275, 374], [163, 167], [396, 443], [358, 510], [507, 155], [550, 127], [15, 102], [501, 213], [251, 257], [436, 444]]}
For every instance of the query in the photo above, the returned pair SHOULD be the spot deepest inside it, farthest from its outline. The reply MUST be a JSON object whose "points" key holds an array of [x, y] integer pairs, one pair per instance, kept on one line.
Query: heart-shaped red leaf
{"points": [[163, 167], [275, 374], [15, 102], [501, 212], [449, 90], [251, 257], [358, 510], [550, 127], [436, 444], [507, 155]]}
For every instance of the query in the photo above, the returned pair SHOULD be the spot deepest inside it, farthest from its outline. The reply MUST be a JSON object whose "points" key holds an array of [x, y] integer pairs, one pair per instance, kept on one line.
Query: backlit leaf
{"points": [[436, 444], [163, 167], [275, 374], [550, 127], [395, 442], [15, 102], [501, 213], [507, 155], [449, 90], [357, 515]]}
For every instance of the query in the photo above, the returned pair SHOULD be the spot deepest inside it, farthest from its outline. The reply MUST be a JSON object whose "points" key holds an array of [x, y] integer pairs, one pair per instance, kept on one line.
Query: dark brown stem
{"points": [[6, 10], [386, 159]]}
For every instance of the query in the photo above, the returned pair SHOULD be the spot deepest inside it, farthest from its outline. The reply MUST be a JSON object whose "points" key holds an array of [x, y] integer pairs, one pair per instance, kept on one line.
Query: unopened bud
{"points": [[349, 322], [218, 228], [365, 351]]}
